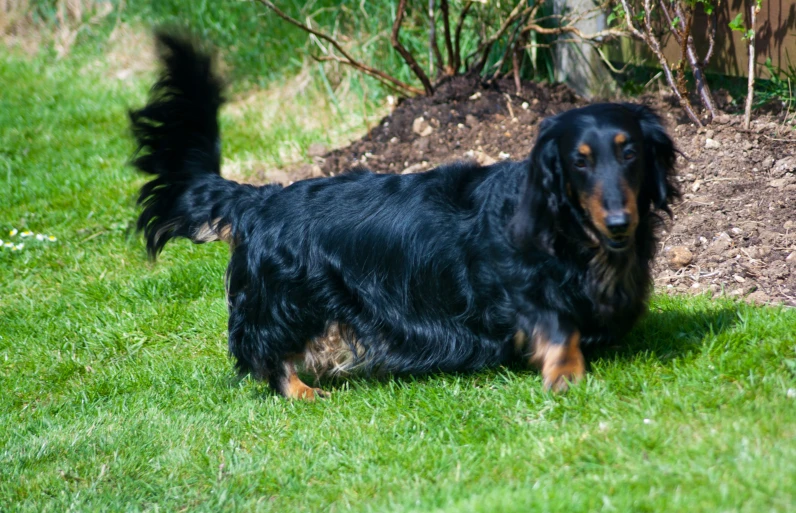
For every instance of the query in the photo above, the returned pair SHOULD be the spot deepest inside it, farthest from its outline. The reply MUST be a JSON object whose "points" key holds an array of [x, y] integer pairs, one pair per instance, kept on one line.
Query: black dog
{"points": [[458, 268]]}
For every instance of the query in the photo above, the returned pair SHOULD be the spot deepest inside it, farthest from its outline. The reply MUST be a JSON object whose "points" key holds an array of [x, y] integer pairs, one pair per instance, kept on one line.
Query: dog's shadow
{"points": [[663, 334], [667, 334]]}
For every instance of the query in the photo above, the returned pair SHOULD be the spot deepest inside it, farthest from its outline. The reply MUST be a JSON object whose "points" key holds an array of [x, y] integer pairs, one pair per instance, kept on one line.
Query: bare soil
{"points": [[734, 232]]}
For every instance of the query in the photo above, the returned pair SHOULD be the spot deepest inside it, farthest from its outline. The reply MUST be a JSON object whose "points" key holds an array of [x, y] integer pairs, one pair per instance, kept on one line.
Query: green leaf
{"points": [[675, 21], [737, 24], [707, 6]]}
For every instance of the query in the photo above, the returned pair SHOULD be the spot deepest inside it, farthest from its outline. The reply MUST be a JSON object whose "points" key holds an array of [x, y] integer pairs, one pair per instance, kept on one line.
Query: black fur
{"points": [[434, 271]]}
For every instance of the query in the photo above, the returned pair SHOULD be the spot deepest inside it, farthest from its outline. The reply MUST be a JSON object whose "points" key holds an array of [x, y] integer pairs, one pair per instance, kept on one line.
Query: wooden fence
{"points": [[775, 39]]}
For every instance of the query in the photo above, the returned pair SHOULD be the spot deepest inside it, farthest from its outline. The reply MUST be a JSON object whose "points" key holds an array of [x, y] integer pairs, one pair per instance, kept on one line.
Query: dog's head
{"points": [[609, 163]]}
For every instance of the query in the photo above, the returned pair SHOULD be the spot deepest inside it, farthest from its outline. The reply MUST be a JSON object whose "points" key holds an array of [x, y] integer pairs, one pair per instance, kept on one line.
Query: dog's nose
{"points": [[617, 223]]}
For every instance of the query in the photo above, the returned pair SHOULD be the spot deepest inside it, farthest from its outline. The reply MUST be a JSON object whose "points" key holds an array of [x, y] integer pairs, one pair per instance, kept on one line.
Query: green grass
{"points": [[117, 393]]}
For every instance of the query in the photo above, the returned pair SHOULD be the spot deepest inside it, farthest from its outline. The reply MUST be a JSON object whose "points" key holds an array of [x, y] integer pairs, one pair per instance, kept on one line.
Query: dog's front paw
{"points": [[562, 364], [560, 375]]}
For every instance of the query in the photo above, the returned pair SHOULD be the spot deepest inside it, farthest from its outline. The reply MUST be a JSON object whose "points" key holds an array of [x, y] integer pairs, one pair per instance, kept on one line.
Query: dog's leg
{"points": [[291, 386], [555, 349]]}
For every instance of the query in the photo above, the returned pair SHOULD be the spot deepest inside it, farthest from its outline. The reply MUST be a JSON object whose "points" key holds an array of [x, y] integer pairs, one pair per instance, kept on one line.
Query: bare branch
{"points": [[457, 51], [517, 56], [443, 5], [511, 43], [750, 85], [686, 25], [346, 59], [712, 24], [567, 26], [599, 36], [435, 55], [357, 66], [608, 64], [699, 75], [678, 36], [652, 42], [516, 66], [684, 21], [408, 58], [486, 45]]}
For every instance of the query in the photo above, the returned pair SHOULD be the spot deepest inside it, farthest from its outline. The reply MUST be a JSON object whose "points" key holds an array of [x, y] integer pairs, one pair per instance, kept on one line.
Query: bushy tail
{"points": [[179, 144]]}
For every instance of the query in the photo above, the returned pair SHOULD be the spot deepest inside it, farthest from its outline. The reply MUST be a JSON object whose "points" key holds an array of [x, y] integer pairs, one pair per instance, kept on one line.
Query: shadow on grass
{"points": [[668, 334], [665, 334]]}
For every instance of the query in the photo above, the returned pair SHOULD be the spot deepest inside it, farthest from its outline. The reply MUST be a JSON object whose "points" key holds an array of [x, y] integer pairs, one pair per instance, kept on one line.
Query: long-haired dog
{"points": [[455, 269]]}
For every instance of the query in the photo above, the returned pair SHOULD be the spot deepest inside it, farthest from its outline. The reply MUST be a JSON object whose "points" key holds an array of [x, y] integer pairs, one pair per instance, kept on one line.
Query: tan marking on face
{"points": [[585, 150], [593, 204], [293, 388], [631, 206], [620, 139], [562, 365]]}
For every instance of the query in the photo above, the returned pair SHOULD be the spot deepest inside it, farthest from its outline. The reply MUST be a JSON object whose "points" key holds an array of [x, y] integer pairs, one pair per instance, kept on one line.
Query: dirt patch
{"points": [[738, 214], [733, 234], [461, 121]]}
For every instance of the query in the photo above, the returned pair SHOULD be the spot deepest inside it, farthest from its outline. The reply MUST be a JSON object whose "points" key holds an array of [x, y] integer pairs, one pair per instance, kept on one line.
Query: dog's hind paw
{"points": [[293, 388]]}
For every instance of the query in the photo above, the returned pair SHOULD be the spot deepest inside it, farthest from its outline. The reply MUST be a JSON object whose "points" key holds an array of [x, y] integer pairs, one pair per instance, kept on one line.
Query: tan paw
{"points": [[294, 388], [562, 365]]}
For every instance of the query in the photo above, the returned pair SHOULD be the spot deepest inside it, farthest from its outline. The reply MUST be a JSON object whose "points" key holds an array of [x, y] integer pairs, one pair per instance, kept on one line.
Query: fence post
{"points": [[578, 64]]}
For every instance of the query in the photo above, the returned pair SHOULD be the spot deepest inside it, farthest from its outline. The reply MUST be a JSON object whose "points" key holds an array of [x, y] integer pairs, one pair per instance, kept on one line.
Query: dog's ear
{"points": [[659, 187], [536, 220]]}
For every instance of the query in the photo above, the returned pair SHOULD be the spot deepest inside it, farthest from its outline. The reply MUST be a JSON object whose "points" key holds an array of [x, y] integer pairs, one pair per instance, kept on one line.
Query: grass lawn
{"points": [[117, 393]]}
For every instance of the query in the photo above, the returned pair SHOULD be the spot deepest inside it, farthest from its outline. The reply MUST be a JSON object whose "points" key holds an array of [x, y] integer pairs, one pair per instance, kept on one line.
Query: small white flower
{"points": [[51, 238], [1, 242], [13, 232], [26, 233], [791, 393], [647, 421], [19, 246], [39, 236], [8, 245]]}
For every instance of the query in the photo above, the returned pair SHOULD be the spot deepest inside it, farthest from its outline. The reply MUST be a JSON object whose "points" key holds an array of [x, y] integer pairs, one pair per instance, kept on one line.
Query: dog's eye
{"points": [[580, 163], [629, 154]]}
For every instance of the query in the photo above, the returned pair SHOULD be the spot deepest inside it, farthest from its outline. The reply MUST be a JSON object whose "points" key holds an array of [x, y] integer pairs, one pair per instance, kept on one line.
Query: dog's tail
{"points": [[178, 143]]}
